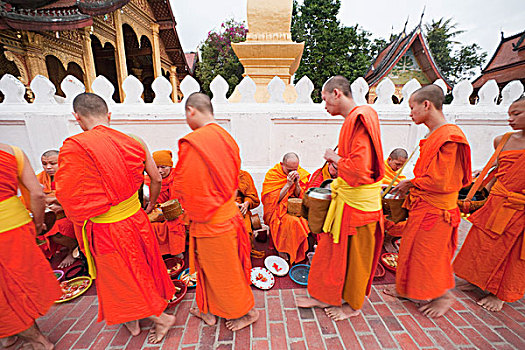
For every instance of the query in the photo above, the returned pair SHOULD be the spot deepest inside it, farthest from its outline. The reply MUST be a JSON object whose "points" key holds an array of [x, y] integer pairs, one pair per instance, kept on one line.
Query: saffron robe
{"points": [[171, 235], [345, 270], [99, 169], [493, 254], [247, 193], [317, 178], [206, 181], [28, 286], [289, 233], [424, 269], [390, 174]]}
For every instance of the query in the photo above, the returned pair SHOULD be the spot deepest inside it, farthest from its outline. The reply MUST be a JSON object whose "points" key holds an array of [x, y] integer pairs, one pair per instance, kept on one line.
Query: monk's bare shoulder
{"points": [[6, 148]]}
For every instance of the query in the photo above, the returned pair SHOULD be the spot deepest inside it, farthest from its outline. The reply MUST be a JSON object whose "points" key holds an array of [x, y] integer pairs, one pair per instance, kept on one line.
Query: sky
{"points": [[482, 20]]}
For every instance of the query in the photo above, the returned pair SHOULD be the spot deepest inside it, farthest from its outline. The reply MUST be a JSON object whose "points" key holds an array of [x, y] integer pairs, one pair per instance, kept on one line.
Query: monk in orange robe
{"points": [[493, 254], [206, 181], [346, 258], [289, 233], [171, 234], [424, 269], [327, 172], [100, 172], [28, 286], [62, 233], [247, 199]]}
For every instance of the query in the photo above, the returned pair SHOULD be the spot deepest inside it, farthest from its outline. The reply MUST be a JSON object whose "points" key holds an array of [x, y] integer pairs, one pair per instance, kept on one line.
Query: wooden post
{"points": [[89, 61], [155, 52], [174, 84], [120, 54]]}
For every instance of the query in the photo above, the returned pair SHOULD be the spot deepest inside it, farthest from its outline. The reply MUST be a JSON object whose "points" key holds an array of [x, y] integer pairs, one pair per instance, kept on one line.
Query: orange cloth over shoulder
{"points": [[206, 181], [361, 163], [98, 169], [493, 254], [28, 287], [289, 233], [318, 176], [171, 235], [424, 268], [247, 193], [390, 174]]}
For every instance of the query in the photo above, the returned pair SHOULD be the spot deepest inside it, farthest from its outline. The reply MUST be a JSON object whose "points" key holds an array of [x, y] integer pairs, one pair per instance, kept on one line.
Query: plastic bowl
{"points": [[171, 263], [180, 294], [380, 271], [385, 264], [182, 273], [59, 274], [299, 274]]}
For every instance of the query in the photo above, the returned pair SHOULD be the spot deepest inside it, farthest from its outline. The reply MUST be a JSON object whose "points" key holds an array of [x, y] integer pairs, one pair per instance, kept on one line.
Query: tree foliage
{"points": [[217, 56], [456, 61], [330, 48]]}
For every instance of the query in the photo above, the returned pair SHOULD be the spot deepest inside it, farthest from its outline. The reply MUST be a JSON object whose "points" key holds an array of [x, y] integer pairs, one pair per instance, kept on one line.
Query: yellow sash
{"points": [[116, 213], [13, 214], [365, 198]]}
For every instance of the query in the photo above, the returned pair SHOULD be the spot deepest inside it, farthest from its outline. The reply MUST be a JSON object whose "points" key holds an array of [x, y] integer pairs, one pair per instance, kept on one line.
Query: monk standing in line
{"points": [[206, 181], [63, 232], [424, 270], [100, 172], [28, 286], [171, 234], [247, 199], [347, 255], [289, 233], [493, 254]]}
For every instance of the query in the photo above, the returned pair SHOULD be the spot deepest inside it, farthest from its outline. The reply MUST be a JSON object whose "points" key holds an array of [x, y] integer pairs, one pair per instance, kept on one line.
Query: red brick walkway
{"points": [[385, 323]]}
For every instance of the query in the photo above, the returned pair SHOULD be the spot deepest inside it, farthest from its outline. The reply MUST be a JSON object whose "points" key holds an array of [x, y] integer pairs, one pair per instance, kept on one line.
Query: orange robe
{"points": [[64, 226], [424, 268], [391, 227], [289, 233], [345, 270], [390, 174], [99, 169], [247, 193], [28, 286], [171, 235], [206, 181], [317, 179], [493, 254]]}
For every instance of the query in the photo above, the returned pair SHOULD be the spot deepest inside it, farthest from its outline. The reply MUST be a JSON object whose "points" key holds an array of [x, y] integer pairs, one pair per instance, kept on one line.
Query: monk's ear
{"points": [[76, 117], [109, 116]]}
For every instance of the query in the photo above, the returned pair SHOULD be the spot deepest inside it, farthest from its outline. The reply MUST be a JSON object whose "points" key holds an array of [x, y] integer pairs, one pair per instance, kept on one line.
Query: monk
{"points": [[289, 233], [171, 235], [346, 258], [327, 172], [493, 254], [62, 233], [395, 161], [248, 199], [28, 286], [206, 181], [100, 171], [424, 270]]}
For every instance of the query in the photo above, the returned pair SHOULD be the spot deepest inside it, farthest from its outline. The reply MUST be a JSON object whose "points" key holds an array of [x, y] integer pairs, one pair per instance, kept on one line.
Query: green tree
{"points": [[456, 61], [217, 56], [329, 47]]}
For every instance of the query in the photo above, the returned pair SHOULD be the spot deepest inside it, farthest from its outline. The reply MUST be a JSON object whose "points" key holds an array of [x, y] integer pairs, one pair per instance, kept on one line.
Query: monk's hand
{"points": [[290, 179], [331, 156], [39, 228], [55, 207], [244, 208], [402, 188], [149, 208]]}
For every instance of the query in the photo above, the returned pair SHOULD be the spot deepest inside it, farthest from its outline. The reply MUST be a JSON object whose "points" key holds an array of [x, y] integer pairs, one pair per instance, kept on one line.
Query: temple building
{"points": [[87, 38], [406, 57], [507, 63]]}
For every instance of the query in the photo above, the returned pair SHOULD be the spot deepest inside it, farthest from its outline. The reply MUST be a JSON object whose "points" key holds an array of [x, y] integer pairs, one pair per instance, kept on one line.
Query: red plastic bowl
{"points": [[180, 294], [171, 262], [388, 267], [380, 271]]}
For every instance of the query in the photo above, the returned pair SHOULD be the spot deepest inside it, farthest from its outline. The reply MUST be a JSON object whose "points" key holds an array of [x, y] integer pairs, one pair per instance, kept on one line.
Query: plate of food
{"points": [[299, 274], [189, 279], [276, 265], [59, 274], [74, 288], [389, 260], [174, 265], [262, 278], [180, 291]]}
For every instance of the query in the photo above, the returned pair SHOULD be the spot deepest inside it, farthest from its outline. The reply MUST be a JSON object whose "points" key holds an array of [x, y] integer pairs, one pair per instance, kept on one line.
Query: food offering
{"points": [[74, 288], [189, 279], [276, 265], [174, 266], [180, 291], [389, 260], [262, 278]]}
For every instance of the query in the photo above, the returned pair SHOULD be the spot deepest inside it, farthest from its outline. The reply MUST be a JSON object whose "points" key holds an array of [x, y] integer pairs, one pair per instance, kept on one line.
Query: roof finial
{"points": [[502, 35], [405, 27], [422, 14]]}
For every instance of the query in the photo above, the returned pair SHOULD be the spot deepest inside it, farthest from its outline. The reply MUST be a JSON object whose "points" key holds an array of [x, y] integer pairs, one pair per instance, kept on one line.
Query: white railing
{"points": [[264, 131]]}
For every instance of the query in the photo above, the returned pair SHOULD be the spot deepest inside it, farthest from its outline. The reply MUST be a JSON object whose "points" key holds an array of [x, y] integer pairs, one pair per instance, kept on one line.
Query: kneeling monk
{"points": [[100, 171], [289, 233], [206, 181], [171, 234], [28, 286], [493, 254], [424, 269], [347, 255]]}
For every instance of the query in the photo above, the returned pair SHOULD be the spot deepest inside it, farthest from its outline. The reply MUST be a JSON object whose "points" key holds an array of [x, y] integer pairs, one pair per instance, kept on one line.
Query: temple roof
{"points": [[507, 63], [387, 59]]}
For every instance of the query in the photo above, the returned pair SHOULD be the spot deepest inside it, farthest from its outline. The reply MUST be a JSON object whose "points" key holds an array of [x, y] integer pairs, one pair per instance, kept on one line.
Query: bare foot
{"points": [[133, 327], [311, 302], [392, 291], [209, 319], [491, 303], [285, 256], [339, 313], [8, 341], [67, 261], [465, 285], [244, 321], [439, 306], [161, 327]]}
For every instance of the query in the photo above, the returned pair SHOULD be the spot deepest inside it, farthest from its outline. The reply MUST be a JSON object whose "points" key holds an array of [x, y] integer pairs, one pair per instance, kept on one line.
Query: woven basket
{"points": [[393, 207], [171, 209], [294, 206]]}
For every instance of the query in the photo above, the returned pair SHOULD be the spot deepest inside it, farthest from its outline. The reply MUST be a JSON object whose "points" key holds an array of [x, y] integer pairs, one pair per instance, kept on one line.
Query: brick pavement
{"points": [[386, 323]]}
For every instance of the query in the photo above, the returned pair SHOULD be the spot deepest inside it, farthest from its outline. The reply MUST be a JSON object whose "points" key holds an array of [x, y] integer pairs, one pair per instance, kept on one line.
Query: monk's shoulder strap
{"points": [[19, 156]]}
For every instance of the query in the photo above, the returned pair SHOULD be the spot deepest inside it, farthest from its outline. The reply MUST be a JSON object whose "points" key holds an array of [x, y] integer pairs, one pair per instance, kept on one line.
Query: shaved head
{"points": [[88, 105], [50, 153], [290, 156], [398, 153], [200, 102], [338, 82], [432, 93], [519, 100]]}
